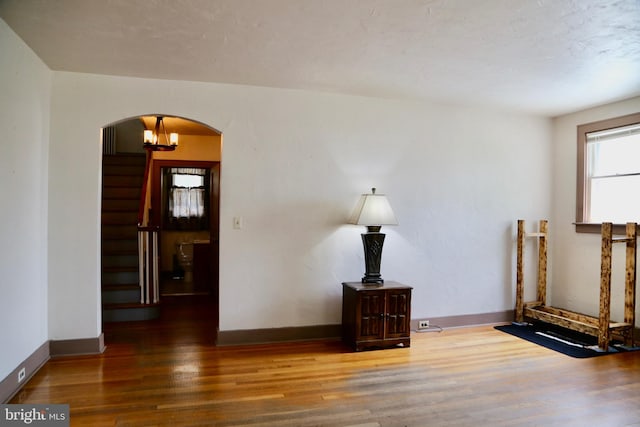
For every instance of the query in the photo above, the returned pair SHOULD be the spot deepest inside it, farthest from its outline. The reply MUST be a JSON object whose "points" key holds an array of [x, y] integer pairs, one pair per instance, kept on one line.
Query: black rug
{"points": [[562, 340]]}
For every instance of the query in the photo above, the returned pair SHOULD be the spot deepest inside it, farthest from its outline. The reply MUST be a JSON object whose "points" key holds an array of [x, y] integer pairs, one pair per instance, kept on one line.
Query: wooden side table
{"points": [[376, 316]]}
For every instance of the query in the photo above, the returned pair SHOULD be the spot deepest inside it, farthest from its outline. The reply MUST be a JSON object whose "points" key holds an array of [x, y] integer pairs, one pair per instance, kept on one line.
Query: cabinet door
{"points": [[371, 315], [398, 313]]}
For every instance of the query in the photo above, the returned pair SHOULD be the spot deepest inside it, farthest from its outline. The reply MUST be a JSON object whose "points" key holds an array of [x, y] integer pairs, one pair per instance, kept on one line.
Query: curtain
{"points": [[189, 171], [187, 193], [186, 202]]}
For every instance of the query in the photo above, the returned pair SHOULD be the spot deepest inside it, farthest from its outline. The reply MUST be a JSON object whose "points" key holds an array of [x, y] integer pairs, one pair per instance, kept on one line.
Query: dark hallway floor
{"points": [[184, 319]]}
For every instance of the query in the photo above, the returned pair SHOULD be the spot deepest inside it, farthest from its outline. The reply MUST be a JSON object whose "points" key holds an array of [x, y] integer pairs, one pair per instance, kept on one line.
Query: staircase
{"points": [[122, 176]]}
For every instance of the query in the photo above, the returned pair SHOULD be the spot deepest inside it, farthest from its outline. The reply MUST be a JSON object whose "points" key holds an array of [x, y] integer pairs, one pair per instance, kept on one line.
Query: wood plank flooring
{"points": [[167, 372]]}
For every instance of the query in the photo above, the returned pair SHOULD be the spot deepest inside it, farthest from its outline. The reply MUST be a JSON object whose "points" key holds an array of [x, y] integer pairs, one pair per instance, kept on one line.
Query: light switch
{"points": [[237, 222]]}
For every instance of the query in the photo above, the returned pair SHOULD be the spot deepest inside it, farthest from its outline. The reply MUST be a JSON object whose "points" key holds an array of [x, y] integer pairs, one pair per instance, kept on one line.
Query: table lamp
{"points": [[373, 211]]}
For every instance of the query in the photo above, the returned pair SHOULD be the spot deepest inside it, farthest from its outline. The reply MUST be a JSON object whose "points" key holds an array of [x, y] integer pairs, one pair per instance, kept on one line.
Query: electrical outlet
{"points": [[423, 324], [21, 374]]}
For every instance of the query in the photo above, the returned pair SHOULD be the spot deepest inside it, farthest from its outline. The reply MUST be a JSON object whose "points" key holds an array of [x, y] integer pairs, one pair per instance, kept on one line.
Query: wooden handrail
{"points": [[143, 193]]}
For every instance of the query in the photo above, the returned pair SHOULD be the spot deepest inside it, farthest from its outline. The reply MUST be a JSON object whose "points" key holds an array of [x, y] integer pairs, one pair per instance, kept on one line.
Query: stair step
{"points": [[130, 312], [121, 181], [120, 250], [119, 261], [111, 169], [120, 277], [128, 245], [121, 193], [120, 294], [112, 231], [120, 205], [119, 286], [119, 218], [129, 305], [119, 269], [124, 159]]}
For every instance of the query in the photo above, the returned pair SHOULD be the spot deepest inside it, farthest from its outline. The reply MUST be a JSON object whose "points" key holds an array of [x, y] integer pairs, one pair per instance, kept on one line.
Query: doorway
{"points": [[187, 254], [189, 235]]}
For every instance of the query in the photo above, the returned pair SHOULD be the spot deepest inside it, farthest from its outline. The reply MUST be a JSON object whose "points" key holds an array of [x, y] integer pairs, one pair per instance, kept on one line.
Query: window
{"points": [[186, 198], [608, 173]]}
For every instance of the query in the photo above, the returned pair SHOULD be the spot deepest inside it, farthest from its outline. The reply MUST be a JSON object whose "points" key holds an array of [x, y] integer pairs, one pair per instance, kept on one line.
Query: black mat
{"points": [[564, 341]]}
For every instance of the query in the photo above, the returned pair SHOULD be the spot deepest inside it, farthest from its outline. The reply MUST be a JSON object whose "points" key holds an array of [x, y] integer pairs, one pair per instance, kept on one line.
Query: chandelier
{"points": [[158, 139]]}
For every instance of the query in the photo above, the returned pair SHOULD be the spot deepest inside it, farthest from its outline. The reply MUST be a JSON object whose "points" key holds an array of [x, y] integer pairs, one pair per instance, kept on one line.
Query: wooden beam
{"points": [[605, 286], [630, 281], [520, 272], [542, 262], [566, 319]]}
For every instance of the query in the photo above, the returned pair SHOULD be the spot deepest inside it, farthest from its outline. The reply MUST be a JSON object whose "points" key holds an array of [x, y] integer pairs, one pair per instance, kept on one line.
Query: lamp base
{"points": [[367, 281], [372, 242]]}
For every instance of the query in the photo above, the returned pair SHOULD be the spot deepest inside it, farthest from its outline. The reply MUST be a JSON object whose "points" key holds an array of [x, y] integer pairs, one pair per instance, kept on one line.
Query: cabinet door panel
{"points": [[398, 313], [371, 315]]}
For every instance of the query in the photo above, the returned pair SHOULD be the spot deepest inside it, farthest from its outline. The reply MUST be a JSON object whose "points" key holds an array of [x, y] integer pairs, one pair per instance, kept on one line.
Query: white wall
{"points": [[128, 134], [25, 84], [294, 164], [575, 279]]}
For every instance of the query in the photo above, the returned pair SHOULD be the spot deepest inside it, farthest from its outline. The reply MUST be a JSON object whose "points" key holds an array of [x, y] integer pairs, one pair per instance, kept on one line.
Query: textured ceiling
{"points": [[544, 57]]}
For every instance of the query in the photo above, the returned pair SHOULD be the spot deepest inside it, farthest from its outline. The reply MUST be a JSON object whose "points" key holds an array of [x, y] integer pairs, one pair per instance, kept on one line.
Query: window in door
{"points": [[186, 198]]}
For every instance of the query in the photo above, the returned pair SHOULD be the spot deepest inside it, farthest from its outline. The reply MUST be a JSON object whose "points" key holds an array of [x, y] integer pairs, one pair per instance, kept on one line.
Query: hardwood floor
{"points": [[178, 287], [167, 372]]}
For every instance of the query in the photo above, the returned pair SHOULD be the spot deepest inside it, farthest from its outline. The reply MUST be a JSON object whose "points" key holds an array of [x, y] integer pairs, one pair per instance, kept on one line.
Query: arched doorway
{"points": [[160, 236]]}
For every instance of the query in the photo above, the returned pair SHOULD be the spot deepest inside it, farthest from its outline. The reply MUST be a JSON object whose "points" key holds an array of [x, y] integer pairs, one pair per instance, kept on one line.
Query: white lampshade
{"points": [[148, 136], [373, 209]]}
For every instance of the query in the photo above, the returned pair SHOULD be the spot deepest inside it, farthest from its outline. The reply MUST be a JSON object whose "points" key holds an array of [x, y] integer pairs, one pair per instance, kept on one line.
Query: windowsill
{"points": [[595, 228]]}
